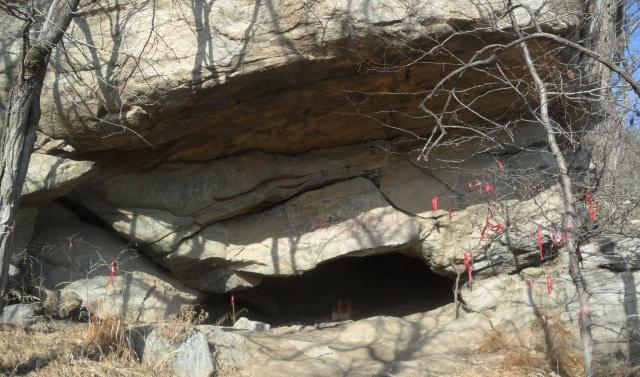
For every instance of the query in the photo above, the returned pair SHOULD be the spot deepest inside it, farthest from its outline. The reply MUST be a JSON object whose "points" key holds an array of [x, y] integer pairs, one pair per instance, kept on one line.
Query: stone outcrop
{"points": [[611, 272], [348, 218], [76, 257], [50, 177], [20, 314], [508, 311], [205, 147], [208, 146], [161, 206], [250, 76]]}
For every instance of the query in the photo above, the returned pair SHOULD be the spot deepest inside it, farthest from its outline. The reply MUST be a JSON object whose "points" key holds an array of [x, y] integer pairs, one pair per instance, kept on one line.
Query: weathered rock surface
{"points": [[186, 355], [435, 343], [508, 250], [62, 304], [248, 75], [161, 206], [76, 257], [50, 177], [349, 218], [230, 348], [246, 324], [25, 223], [611, 274], [20, 314]]}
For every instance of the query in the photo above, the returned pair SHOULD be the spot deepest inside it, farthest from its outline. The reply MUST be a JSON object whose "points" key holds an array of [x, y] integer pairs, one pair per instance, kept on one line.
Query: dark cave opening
{"points": [[390, 284]]}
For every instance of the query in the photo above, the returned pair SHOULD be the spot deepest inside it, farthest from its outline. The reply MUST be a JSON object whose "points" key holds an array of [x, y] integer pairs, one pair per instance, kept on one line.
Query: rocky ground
{"points": [[513, 325]]}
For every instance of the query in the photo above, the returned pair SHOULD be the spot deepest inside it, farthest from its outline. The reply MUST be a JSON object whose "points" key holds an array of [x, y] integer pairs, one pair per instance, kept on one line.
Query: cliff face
{"points": [[230, 141], [276, 76]]}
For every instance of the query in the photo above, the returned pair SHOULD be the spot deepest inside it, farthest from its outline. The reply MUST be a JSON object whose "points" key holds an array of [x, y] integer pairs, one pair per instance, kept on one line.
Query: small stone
{"points": [[247, 324]]}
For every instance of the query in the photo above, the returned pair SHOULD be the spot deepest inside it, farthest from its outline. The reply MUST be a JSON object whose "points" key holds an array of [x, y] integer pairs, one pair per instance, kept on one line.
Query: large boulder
{"points": [[185, 354], [50, 177], [20, 314], [163, 205], [510, 249], [349, 218], [249, 75], [77, 257], [611, 273]]}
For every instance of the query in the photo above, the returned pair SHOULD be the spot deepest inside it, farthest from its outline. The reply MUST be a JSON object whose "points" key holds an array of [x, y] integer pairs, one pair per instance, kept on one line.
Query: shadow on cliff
{"points": [[81, 65], [629, 331]]}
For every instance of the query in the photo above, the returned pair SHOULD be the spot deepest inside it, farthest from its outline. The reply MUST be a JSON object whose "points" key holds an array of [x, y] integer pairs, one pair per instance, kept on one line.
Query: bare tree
{"points": [[40, 34], [595, 80], [576, 88]]}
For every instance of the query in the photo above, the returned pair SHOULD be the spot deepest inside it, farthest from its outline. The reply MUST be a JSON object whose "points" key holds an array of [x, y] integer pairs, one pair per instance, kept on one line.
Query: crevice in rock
{"points": [[392, 284], [89, 217], [370, 175]]}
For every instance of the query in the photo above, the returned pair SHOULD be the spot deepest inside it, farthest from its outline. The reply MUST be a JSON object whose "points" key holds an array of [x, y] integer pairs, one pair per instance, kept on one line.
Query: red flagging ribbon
{"points": [[474, 185], [434, 202], [114, 271], [487, 187], [592, 207], [592, 211], [468, 264], [232, 299], [494, 228], [558, 238], [540, 243], [549, 284], [450, 213], [500, 166]]}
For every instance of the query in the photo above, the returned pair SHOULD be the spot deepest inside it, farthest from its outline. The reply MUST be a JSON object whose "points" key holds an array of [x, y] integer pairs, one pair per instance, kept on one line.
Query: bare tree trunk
{"points": [[569, 217], [21, 121]]}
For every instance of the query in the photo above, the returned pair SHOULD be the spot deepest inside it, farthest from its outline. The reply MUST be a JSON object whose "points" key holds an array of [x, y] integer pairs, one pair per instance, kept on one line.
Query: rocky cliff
{"points": [[206, 146]]}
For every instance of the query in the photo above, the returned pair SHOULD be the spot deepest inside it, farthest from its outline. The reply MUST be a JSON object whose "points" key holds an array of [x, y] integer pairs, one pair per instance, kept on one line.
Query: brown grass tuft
{"points": [[105, 336], [545, 349], [493, 342]]}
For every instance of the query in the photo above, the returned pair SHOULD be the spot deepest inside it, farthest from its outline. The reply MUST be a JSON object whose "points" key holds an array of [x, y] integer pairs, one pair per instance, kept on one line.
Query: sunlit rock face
{"points": [[276, 76], [234, 140]]}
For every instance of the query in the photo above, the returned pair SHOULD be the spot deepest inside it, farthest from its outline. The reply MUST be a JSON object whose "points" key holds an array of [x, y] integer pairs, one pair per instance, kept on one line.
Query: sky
{"points": [[634, 50]]}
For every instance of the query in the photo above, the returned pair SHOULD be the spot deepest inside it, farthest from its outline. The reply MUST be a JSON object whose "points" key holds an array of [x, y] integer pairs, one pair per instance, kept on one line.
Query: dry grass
{"points": [[544, 350], [97, 349], [179, 324]]}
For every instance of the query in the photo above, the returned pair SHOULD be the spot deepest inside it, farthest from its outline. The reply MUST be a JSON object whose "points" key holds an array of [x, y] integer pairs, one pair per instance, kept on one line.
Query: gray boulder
{"points": [[76, 257], [186, 355], [20, 314]]}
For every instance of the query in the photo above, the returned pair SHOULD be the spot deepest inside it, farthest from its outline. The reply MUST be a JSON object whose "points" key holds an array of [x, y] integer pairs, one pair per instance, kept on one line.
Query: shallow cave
{"points": [[390, 284]]}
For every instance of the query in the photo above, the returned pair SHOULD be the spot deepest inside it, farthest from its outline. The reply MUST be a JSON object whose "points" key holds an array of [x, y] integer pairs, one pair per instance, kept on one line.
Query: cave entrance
{"points": [[390, 284]]}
